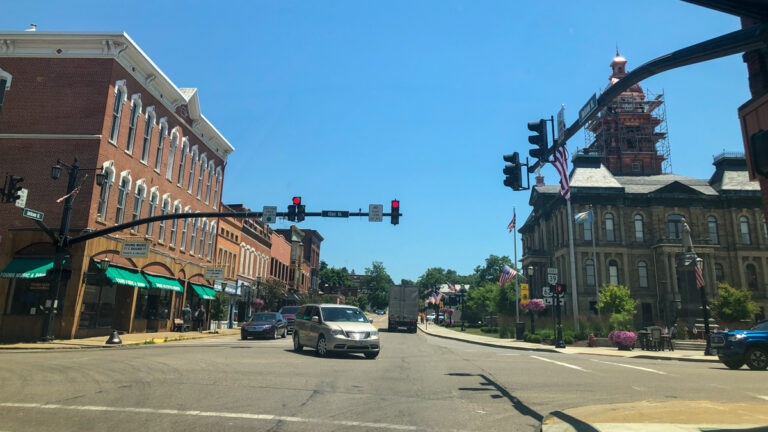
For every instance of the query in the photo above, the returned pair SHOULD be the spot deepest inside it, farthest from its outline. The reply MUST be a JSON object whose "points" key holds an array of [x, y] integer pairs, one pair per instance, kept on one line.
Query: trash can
{"points": [[520, 330]]}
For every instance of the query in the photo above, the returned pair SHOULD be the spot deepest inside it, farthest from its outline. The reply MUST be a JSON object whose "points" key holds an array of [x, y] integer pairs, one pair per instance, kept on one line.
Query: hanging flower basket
{"points": [[624, 340]]}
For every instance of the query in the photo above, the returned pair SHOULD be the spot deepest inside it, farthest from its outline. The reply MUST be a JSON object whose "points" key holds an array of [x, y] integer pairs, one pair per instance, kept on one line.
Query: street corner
{"points": [[659, 416]]}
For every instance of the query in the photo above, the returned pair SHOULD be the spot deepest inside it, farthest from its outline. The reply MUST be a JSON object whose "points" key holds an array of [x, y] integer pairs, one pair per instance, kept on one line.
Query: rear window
{"points": [[343, 314], [289, 310]]}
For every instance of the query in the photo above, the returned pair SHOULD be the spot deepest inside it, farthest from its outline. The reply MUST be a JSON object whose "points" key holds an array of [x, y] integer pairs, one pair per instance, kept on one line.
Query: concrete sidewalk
{"points": [[441, 332], [128, 339]]}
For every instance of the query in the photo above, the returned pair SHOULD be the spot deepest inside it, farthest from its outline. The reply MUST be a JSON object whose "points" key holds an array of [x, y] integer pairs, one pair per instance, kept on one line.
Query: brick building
{"points": [[98, 98], [255, 252]]}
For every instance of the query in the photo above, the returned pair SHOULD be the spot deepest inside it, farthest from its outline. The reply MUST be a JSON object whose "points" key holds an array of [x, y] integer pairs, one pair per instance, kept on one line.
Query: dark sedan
{"points": [[267, 324]]}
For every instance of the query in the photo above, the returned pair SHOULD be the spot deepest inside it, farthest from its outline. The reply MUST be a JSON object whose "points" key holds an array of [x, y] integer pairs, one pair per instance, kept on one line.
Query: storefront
{"points": [[233, 293], [28, 287], [160, 299]]}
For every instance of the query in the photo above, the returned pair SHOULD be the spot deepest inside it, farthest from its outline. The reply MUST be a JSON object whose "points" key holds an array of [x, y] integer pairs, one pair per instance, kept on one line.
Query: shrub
{"points": [[547, 334], [489, 329], [568, 339], [626, 338], [733, 304], [621, 322], [615, 299], [533, 338], [504, 332]]}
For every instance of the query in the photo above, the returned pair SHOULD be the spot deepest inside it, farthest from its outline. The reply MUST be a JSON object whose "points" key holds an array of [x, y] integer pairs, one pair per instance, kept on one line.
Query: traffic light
{"points": [[539, 140], [292, 208], [395, 212], [513, 171], [299, 209], [14, 186], [561, 289]]}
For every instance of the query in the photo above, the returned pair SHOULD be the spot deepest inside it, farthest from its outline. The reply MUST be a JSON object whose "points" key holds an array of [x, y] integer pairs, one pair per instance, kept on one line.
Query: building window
{"points": [[744, 229], [160, 144], [98, 306], [216, 188], [613, 272], [117, 110], [639, 228], [153, 197], [208, 183], [610, 234], [675, 226], [589, 271], [148, 127], [192, 166], [184, 230], [163, 211], [104, 195], [135, 111], [587, 230], [642, 272], [218, 260], [138, 201], [175, 223], [201, 178], [172, 154], [719, 273], [751, 277], [635, 166], [203, 233], [122, 195], [182, 162], [194, 236], [712, 225], [210, 242]]}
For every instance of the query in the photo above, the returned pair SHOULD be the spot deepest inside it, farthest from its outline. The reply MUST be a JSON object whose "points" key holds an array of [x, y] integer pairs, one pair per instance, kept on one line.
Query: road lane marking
{"points": [[630, 366], [560, 363], [758, 396], [212, 414]]}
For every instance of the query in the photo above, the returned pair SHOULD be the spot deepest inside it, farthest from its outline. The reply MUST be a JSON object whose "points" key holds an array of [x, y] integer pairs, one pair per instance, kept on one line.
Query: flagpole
{"points": [[594, 260], [574, 296], [517, 299]]}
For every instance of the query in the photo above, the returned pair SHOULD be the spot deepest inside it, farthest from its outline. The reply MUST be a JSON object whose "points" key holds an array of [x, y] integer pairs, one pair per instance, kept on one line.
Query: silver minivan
{"points": [[335, 328]]}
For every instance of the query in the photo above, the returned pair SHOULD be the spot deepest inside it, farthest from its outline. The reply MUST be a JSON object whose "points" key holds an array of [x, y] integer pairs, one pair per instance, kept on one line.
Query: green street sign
{"points": [[33, 214], [335, 213]]}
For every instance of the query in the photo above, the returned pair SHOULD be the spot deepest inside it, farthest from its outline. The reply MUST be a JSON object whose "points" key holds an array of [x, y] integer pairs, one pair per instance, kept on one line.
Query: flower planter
{"points": [[623, 340]]}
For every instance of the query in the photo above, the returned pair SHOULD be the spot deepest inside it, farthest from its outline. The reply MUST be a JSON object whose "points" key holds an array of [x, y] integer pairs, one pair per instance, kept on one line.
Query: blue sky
{"points": [[348, 103]]}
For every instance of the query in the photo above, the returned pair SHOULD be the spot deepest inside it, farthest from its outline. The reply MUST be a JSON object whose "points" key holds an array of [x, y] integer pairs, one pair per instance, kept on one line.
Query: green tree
{"points": [[376, 283], [505, 300], [362, 302], [615, 299], [491, 270], [219, 306], [733, 304], [407, 282], [431, 279], [272, 292], [479, 302], [334, 277]]}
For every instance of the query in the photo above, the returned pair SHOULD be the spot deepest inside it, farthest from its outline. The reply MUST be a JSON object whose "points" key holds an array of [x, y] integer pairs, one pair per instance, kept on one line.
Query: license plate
{"points": [[359, 342]]}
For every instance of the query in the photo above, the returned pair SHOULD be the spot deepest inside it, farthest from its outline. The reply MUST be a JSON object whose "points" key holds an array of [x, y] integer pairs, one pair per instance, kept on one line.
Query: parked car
{"points": [[335, 328], [380, 312], [267, 324], [289, 313], [734, 348], [431, 317]]}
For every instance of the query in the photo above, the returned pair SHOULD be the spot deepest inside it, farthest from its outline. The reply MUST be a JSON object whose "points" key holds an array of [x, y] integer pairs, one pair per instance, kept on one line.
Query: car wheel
{"points": [[733, 364], [296, 344], [285, 333], [757, 358], [371, 355], [322, 347], [274, 333]]}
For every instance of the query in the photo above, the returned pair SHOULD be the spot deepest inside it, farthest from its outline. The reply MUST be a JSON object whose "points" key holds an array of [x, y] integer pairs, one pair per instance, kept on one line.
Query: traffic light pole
{"points": [[559, 343]]}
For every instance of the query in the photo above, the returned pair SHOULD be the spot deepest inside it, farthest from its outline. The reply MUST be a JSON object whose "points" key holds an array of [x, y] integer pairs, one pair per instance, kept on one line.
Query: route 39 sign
{"points": [[552, 275]]}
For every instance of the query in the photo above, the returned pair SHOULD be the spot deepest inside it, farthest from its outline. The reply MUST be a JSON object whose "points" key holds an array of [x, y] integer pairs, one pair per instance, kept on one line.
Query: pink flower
{"points": [[535, 305]]}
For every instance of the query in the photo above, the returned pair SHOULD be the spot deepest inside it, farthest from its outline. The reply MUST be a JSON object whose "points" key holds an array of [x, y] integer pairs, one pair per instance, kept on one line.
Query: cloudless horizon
{"points": [[348, 103]]}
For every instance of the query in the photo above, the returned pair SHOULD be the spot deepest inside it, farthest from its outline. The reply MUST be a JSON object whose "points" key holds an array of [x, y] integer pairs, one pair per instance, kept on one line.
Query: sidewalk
{"points": [[441, 332], [128, 339]]}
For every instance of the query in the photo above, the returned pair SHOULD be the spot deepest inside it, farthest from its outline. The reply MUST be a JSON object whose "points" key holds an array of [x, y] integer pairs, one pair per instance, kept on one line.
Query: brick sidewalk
{"points": [[128, 339], [437, 331]]}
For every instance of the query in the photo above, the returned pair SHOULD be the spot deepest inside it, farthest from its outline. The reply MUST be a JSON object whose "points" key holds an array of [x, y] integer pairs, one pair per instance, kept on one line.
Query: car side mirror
{"points": [[370, 320], [315, 319]]}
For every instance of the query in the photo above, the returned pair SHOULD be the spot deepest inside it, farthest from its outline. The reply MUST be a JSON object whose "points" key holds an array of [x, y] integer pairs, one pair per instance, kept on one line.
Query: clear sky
{"points": [[348, 103]]}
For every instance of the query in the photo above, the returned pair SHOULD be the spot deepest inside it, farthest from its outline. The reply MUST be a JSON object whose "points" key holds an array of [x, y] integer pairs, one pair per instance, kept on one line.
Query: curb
{"points": [[127, 344]]}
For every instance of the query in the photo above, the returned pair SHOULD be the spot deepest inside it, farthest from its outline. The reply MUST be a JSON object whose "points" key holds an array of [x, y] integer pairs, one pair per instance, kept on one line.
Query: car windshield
{"points": [[289, 310], [343, 315], [263, 317], [761, 326]]}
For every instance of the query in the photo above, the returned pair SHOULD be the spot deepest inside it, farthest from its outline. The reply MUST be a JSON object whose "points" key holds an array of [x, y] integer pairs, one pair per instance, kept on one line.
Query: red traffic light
{"points": [[297, 200], [395, 204]]}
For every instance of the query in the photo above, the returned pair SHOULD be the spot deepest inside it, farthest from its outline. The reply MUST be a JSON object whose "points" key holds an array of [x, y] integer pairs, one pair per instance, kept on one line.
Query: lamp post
{"points": [[693, 264], [62, 241], [462, 292]]}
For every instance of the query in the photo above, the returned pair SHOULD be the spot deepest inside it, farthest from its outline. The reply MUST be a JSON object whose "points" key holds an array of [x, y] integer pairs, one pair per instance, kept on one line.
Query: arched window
{"points": [[719, 272], [201, 178], [642, 273], [153, 199], [117, 110], [216, 188], [589, 271], [104, 195], [161, 143], [183, 161], [613, 272], [712, 226], [138, 200], [164, 209], [192, 166], [587, 230], [148, 127], [123, 189], [211, 236], [175, 222], [639, 237], [751, 277], [610, 234], [744, 229], [203, 233], [135, 112], [211, 169], [172, 154], [185, 229], [675, 226], [194, 236]]}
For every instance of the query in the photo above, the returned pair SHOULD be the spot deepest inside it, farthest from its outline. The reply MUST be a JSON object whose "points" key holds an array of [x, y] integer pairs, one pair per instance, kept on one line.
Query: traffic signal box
{"points": [[513, 171], [296, 210], [561, 289], [12, 188], [539, 140], [395, 212]]}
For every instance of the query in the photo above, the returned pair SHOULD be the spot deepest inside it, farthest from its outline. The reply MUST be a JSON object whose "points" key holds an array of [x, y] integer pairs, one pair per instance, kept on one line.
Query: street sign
{"points": [[269, 214], [375, 212], [22, 201], [549, 301], [137, 249], [212, 273], [335, 213], [546, 292], [588, 107], [561, 123], [33, 214], [524, 296], [552, 275]]}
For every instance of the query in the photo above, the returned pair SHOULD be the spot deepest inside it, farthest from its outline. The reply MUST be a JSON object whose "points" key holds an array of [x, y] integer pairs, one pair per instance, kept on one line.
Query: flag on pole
{"points": [[451, 287], [73, 193], [506, 274], [583, 217], [699, 277], [560, 162], [513, 222]]}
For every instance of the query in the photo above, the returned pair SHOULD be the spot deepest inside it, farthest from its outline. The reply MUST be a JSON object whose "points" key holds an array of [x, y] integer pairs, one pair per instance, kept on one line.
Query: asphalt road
{"points": [[417, 383]]}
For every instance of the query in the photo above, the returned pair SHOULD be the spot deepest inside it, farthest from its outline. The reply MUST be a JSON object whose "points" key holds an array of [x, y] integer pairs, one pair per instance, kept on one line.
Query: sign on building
{"points": [[214, 273], [135, 249]]}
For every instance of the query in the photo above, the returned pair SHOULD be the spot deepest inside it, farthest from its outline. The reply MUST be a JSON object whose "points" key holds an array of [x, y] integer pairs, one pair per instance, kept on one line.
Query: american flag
{"points": [[451, 287], [506, 274], [699, 277], [560, 162], [513, 222], [73, 193]]}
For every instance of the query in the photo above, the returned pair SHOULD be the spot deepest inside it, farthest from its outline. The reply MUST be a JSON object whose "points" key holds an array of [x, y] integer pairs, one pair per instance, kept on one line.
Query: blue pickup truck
{"points": [[734, 348]]}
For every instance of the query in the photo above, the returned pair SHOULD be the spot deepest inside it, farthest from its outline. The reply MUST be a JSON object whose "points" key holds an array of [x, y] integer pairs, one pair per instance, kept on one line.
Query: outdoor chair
{"points": [[655, 343]]}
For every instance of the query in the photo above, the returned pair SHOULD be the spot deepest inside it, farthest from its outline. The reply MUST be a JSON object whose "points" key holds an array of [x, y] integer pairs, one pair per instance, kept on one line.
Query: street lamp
{"points": [[462, 292]]}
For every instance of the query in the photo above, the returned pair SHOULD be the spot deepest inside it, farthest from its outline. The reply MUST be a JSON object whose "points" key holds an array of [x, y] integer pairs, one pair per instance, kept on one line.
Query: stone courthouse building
{"points": [[638, 211]]}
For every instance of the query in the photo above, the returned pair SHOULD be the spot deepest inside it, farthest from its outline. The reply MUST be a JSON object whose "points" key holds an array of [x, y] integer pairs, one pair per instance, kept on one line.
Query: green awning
{"points": [[205, 293], [27, 268], [164, 283], [126, 277]]}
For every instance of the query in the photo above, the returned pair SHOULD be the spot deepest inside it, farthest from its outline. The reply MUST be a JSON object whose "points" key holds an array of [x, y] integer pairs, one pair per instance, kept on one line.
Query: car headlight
{"points": [[374, 333], [337, 332], [736, 337]]}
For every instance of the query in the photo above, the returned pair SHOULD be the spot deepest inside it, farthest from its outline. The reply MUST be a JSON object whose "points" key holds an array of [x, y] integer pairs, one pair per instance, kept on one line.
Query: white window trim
{"points": [[162, 124], [119, 85], [183, 156], [172, 146], [123, 175], [193, 164], [152, 192], [209, 181], [109, 170], [175, 223], [149, 113], [135, 99], [212, 235], [201, 174], [140, 184], [7, 75], [218, 186]]}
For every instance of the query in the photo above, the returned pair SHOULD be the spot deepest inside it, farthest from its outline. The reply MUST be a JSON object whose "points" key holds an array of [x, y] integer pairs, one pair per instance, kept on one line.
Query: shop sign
{"points": [[137, 249]]}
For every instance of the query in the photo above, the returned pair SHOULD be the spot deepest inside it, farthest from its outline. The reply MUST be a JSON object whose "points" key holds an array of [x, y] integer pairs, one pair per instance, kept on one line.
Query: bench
{"points": [[179, 325]]}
